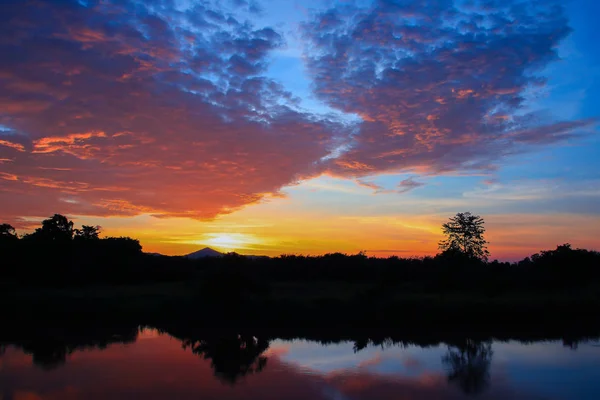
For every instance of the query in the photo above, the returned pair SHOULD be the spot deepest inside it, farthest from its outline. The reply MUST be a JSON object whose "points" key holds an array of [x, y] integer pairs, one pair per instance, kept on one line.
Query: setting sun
{"points": [[227, 242], [231, 241]]}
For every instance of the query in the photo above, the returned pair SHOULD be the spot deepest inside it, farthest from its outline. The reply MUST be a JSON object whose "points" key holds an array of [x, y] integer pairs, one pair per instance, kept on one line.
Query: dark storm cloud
{"points": [[440, 85]]}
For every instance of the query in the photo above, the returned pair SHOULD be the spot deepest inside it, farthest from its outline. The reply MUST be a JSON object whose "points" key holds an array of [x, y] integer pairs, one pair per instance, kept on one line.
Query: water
{"points": [[152, 365]]}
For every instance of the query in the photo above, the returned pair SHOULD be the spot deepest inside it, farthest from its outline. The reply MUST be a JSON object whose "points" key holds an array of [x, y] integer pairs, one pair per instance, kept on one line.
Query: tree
{"points": [[7, 232], [464, 234], [56, 228], [88, 232]]}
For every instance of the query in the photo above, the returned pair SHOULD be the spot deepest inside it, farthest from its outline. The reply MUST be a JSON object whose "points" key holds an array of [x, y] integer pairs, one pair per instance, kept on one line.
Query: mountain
{"points": [[205, 252]]}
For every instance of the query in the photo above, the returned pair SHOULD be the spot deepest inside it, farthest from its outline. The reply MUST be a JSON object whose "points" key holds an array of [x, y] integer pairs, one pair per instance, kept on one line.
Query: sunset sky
{"points": [[313, 126]]}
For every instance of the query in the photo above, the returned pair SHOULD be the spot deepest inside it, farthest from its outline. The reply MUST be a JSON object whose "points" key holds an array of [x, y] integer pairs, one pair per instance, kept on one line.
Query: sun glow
{"points": [[231, 241]]}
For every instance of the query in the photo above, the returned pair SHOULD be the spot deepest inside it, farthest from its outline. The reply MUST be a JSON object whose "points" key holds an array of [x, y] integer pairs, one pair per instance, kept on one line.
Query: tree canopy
{"points": [[56, 228], [88, 232], [464, 233], [7, 232]]}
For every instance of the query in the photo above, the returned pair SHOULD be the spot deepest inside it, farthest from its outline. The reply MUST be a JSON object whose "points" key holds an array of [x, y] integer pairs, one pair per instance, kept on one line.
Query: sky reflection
{"points": [[156, 366]]}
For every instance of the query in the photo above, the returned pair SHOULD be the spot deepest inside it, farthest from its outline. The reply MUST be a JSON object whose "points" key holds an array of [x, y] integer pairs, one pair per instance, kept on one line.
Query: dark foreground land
{"points": [[551, 292], [61, 273], [230, 311], [60, 299]]}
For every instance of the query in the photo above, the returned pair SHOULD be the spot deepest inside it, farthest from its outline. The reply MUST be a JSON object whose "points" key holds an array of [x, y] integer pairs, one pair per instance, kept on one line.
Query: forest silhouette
{"points": [[59, 270]]}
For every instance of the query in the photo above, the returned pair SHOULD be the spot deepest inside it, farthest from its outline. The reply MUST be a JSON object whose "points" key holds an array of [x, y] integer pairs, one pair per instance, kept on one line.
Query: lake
{"points": [[150, 364]]}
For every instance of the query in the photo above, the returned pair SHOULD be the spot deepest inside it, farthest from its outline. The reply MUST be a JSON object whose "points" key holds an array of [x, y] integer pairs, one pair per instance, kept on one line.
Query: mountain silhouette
{"points": [[205, 252]]}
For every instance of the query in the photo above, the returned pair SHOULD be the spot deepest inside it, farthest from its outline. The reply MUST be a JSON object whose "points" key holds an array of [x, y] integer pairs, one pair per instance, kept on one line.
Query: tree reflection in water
{"points": [[50, 349], [468, 365], [232, 357]]}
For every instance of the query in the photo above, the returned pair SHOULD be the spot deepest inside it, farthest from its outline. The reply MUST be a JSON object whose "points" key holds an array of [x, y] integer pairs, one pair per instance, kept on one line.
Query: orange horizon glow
{"points": [[278, 135], [312, 219], [277, 227]]}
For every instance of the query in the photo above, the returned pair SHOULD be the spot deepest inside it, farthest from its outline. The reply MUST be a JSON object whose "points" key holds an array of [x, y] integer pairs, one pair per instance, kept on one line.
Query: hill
{"points": [[205, 252]]}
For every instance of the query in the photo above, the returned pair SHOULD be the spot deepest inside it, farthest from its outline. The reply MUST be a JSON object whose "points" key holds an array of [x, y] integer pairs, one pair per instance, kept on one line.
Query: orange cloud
{"points": [[74, 143], [16, 146], [140, 134], [8, 177]]}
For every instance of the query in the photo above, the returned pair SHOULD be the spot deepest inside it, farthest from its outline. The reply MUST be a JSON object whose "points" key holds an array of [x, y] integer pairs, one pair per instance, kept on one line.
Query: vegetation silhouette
{"points": [[57, 254], [464, 235], [7, 232], [50, 346], [60, 270], [232, 357], [88, 232], [468, 365], [55, 228]]}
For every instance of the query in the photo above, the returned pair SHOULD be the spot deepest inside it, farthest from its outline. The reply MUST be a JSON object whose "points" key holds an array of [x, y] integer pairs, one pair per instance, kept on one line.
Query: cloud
{"points": [[76, 144], [14, 146], [377, 189], [439, 85], [131, 109], [407, 185], [249, 5], [167, 109], [538, 196]]}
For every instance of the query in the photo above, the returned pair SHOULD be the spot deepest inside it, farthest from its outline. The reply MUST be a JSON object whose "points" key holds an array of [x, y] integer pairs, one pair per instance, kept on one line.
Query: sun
{"points": [[231, 241]]}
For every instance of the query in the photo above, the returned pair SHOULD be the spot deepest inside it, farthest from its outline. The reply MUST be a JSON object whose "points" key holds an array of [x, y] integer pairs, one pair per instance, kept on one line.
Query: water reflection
{"points": [[124, 363], [469, 365], [231, 357], [50, 348]]}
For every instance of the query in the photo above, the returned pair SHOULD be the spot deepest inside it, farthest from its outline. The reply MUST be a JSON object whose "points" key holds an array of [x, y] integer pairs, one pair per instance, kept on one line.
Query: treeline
{"points": [[561, 268], [57, 254]]}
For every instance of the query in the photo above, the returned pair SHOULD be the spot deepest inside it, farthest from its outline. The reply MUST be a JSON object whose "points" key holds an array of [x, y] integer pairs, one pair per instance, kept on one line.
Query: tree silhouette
{"points": [[231, 357], [56, 228], [469, 365], [7, 232], [88, 232], [464, 234], [49, 351]]}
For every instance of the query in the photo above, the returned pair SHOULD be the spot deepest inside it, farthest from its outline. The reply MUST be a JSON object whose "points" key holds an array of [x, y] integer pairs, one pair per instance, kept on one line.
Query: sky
{"points": [[304, 127]]}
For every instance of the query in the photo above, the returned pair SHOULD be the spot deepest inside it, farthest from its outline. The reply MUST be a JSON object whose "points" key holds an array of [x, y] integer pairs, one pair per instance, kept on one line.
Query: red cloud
{"points": [[124, 114], [118, 109], [15, 146]]}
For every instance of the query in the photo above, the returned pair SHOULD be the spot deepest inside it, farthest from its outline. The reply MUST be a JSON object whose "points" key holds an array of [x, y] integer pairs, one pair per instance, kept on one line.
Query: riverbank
{"points": [[311, 306]]}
